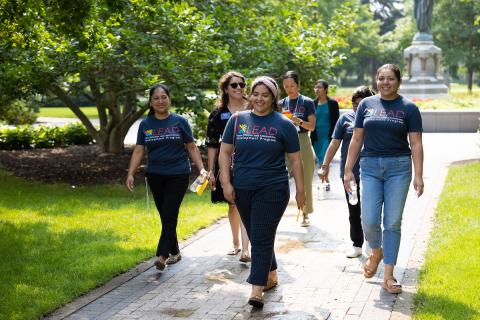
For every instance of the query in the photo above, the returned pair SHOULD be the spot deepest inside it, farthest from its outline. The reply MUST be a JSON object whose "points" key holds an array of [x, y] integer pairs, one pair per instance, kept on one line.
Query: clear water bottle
{"points": [[322, 191], [352, 195]]}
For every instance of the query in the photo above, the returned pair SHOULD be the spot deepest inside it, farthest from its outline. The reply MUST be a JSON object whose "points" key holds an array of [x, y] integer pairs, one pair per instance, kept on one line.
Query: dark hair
{"points": [[262, 81], [222, 101], [292, 75], [362, 92], [324, 84], [392, 67], [150, 94]]}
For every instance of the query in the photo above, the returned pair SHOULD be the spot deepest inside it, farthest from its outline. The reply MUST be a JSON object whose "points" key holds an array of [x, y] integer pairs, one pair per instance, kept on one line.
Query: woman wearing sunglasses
{"points": [[232, 99]]}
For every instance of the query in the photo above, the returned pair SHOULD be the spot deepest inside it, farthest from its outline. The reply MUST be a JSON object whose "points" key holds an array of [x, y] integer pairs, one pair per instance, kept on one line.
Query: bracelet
{"points": [[324, 166]]}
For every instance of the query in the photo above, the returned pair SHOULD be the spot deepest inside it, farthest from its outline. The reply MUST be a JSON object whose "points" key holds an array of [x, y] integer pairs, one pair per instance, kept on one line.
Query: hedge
{"points": [[26, 137]]}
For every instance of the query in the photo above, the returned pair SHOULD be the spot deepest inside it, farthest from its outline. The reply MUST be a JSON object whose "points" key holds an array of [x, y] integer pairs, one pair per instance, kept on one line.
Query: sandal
{"points": [[245, 258], [392, 285], [256, 301], [370, 267], [159, 265], [173, 258], [270, 285], [234, 251]]}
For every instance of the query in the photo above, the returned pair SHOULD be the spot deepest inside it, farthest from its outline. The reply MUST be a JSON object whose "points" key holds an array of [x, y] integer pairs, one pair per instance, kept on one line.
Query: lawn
{"points": [[63, 112], [449, 280], [58, 242]]}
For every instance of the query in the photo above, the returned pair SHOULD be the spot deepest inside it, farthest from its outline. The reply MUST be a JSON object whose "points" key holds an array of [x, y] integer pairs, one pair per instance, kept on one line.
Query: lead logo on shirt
{"points": [[158, 134], [381, 114], [256, 133]]}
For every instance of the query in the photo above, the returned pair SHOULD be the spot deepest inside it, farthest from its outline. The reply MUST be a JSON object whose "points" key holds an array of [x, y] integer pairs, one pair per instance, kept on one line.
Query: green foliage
{"points": [[26, 137], [17, 113], [458, 34]]}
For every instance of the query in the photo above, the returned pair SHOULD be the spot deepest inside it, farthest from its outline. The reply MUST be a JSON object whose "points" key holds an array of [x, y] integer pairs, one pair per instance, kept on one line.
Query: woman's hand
{"points": [[323, 172], [348, 177], [130, 182], [300, 198], [229, 193], [418, 185], [212, 182]]}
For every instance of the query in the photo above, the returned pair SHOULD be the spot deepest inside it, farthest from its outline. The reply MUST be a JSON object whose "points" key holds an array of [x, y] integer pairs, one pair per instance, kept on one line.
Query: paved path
{"points": [[316, 280]]}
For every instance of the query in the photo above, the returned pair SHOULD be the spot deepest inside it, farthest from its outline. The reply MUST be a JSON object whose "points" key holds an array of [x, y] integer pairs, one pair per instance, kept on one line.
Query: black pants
{"points": [[261, 210], [354, 216], [168, 192]]}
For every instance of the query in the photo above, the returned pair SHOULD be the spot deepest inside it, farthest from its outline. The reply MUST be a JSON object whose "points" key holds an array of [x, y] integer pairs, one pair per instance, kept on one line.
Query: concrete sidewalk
{"points": [[316, 280]]}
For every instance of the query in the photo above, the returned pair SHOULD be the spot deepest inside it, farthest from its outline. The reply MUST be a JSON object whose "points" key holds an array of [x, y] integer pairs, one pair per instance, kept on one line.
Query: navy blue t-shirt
{"points": [[344, 131], [260, 146], [165, 141], [386, 124], [301, 107]]}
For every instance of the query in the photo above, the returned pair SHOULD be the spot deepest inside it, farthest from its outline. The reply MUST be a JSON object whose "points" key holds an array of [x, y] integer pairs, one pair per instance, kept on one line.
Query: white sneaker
{"points": [[368, 250], [354, 252], [305, 221]]}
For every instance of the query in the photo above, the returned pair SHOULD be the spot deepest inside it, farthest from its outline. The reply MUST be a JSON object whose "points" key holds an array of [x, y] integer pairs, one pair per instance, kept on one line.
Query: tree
{"points": [[112, 50], [458, 34]]}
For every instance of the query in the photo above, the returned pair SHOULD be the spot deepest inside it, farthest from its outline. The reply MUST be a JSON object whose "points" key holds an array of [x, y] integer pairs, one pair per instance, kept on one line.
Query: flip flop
{"points": [[234, 251], [392, 285]]}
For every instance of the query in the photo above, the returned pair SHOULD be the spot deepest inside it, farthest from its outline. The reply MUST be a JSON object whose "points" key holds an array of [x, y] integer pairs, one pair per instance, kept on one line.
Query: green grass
{"points": [[63, 112], [57, 242], [449, 282]]}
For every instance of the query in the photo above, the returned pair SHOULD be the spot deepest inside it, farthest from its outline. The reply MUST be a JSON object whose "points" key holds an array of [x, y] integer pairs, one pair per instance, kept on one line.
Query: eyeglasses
{"points": [[235, 85]]}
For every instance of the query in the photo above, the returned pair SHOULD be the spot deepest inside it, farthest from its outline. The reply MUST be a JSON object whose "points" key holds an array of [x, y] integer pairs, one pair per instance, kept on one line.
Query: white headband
{"points": [[269, 82]]}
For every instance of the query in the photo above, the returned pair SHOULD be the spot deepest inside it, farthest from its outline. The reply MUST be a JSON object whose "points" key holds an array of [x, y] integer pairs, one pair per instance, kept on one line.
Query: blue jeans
{"points": [[384, 181]]}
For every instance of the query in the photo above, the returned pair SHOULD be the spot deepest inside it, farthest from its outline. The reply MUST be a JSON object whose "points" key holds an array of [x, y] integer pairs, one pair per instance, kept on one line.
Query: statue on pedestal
{"points": [[422, 11]]}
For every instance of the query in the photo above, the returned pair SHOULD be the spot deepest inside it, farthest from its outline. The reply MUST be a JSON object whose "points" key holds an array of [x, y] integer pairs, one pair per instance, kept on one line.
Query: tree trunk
{"points": [[115, 141], [470, 79]]}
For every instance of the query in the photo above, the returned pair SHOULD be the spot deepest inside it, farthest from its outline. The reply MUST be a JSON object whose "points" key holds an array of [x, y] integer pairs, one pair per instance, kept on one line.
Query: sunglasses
{"points": [[235, 85]]}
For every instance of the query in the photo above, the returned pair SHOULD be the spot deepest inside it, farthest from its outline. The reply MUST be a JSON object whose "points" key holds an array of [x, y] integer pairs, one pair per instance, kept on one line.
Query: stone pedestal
{"points": [[423, 79]]}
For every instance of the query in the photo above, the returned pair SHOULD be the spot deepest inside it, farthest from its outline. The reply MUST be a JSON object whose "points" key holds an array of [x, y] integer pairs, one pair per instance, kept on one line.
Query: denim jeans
{"points": [[384, 181]]}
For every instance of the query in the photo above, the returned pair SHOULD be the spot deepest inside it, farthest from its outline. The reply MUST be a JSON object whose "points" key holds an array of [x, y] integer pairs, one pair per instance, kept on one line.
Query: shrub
{"points": [[43, 137], [18, 113]]}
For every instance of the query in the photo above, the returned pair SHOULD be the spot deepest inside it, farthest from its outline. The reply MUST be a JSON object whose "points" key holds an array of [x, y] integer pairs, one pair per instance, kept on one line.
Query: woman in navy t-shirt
{"points": [[258, 141], [169, 141], [232, 99], [390, 129]]}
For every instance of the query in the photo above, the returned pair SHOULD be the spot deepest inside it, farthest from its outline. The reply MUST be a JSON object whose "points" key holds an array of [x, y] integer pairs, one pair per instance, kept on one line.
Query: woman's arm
{"points": [[309, 125], [416, 145], [331, 150], [195, 155], [353, 152], [137, 156], [224, 162], [212, 155], [297, 169]]}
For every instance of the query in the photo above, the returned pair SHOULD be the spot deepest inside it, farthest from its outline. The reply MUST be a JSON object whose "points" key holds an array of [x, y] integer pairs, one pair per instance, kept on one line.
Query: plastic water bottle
{"points": [[199, 181], [352, 195], [322, 191]]}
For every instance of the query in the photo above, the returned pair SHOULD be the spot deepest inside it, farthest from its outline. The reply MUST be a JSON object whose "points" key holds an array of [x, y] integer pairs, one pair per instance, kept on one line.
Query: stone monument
{"points": [[423, 77]]}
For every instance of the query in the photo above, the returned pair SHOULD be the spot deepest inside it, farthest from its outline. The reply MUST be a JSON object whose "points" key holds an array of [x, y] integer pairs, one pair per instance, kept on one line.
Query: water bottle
{"points": [[352, 195], [199, 181], [322, 191]]}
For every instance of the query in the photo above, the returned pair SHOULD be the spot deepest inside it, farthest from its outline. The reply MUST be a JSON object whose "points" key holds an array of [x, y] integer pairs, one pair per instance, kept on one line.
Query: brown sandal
{"points": [[392, 285], [257, 301], [270, 285], [371, 266]]}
